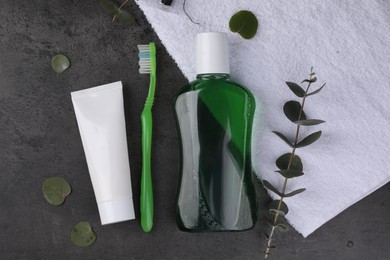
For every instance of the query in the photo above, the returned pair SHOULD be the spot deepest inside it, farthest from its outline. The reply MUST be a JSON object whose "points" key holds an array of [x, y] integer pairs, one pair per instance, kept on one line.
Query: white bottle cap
{"points": [[116, 211], [212, 53]]}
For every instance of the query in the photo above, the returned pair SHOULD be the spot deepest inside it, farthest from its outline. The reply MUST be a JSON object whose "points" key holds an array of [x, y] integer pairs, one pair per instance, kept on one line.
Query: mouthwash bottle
{"points": [[214, 118]]}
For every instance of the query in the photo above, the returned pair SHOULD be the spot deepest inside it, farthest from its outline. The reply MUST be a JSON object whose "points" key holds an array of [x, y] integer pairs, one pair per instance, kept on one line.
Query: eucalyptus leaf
{"points": [[282, 162], [295, 192], [272, 188], [269, 222], [282, 227], [283, 210], [309, 139], [290, 173], [292, 109], [125, 17], [82, 234], [316, 91], [308, 122], [55, 189], [310, 80], [285, 139], [245, 23], [60, 63], [109, 5], [298, 90]]}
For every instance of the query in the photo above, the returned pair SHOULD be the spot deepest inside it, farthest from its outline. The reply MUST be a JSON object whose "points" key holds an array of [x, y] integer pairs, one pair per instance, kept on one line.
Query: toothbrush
{"points": [[147, 63]]}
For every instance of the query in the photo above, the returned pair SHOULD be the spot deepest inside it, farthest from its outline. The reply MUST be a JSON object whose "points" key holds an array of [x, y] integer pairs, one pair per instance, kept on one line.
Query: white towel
{"points": [[347, 43]]}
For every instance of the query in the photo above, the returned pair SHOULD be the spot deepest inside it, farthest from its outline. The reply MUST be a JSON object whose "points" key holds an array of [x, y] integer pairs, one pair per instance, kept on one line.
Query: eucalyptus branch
{"points": [[290, 164]]}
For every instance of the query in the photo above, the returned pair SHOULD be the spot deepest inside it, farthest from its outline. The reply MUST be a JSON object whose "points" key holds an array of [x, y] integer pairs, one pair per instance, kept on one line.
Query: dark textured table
{"points": [[39, 138]]}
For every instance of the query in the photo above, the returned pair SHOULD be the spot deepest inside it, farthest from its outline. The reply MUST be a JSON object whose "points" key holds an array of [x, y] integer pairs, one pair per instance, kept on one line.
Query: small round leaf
{"points": [[245, 23], [269, 222], [55, 189], [109, 5], [292, 110], [82, 234], [60, 63], [125, 17], [282, 162]]}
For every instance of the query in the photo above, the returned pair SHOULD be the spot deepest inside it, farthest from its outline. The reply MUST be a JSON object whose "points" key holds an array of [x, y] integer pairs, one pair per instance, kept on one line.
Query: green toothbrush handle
{"points": [[146, 179]]}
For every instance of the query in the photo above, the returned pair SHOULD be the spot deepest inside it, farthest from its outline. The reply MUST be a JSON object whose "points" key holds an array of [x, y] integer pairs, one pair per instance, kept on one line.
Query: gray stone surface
{"points": [[39, 138]]}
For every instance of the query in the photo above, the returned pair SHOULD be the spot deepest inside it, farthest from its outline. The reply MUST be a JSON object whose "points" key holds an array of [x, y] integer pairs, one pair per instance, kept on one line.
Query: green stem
{"points": [[276, 218]]}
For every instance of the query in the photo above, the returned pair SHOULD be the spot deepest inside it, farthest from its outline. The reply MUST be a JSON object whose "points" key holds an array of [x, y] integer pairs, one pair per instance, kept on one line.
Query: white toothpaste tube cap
{"points": [[115, 211]]}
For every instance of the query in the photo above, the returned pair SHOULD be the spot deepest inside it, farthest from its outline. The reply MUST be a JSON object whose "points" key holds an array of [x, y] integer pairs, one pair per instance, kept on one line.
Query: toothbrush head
{"points": [[147, 58]]}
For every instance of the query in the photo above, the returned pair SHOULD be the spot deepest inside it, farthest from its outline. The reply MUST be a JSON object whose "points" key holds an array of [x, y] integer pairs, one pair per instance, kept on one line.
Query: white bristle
{"points": [[144, 59], [143, 46]]}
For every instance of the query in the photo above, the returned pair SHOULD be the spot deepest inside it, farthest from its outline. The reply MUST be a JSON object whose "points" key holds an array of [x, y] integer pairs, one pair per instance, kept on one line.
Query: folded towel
{"points": [[348, 44]]}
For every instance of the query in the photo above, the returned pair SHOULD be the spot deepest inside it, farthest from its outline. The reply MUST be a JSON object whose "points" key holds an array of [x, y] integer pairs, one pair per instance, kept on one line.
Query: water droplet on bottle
{"points": [[349, 243]]}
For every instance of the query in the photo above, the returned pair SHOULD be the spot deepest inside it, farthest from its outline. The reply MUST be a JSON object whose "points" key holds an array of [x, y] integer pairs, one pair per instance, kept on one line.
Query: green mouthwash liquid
{"points": [[214, 117]]}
